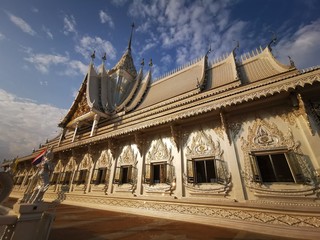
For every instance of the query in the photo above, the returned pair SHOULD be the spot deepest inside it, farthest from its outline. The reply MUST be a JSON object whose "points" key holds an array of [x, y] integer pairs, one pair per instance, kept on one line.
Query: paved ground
{"points": [[91, 224]]}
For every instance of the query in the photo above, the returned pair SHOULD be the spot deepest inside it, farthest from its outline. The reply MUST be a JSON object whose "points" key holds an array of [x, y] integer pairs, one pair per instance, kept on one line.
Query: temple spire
{"points": [[129, 44]]}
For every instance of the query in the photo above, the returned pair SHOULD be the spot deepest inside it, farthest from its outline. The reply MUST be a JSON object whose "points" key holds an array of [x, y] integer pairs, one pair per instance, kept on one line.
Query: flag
{"points": [[39, 158]]}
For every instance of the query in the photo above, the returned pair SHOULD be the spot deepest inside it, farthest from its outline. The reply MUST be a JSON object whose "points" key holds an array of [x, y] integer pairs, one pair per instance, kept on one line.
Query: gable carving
{"points": [[81, 108]]}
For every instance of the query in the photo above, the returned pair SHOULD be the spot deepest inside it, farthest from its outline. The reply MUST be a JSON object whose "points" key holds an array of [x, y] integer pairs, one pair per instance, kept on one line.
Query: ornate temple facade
{"points": [[232, 143]]}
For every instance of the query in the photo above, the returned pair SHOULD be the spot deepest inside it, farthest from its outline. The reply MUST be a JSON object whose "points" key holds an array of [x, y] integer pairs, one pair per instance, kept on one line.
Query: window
{"points": [[276, 167], [99, 176], [28, 179], [82, 176], [206, 171], [19, 180], [158, 173], [54, 178], [66, 178], [123, 175]]}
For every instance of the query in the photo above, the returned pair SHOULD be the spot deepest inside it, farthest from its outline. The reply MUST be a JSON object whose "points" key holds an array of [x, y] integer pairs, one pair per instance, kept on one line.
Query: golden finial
{"points": [[93, 56], [104, 57]]}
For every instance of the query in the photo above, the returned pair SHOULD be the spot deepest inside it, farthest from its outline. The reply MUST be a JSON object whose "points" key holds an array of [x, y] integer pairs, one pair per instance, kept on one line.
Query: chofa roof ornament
{"points": [[273, 40]]}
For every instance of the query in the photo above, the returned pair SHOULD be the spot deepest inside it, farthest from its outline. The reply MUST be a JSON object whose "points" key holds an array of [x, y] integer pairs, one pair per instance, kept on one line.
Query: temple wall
{"points": [[204, 170], [163, 164]]}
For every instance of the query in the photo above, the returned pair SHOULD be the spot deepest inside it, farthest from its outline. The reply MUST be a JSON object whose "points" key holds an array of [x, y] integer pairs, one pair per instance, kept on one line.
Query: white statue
{"points": [[39, 182]]}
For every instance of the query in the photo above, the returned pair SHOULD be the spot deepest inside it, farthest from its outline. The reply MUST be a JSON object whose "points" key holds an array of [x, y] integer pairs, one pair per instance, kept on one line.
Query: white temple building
{"points": [[232, 143]]}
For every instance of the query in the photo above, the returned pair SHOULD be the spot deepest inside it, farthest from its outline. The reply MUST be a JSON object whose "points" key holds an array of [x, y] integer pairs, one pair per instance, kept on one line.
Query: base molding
{"points": [[243, 216]]}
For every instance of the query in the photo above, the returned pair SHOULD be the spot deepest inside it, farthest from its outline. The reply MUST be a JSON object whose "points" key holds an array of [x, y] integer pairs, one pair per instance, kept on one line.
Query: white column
{"points": [[75, 132], [94, 125], [90, 172]]}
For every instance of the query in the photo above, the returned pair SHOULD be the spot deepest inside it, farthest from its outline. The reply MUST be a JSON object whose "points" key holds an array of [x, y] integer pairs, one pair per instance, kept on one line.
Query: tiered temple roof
{"points": [[200, 86]]}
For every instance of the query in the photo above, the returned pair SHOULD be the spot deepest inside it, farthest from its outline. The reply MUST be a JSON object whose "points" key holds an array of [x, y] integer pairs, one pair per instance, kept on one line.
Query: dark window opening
{"points": [[125, 174], [101, 175], [54, 179], [159, 173], [205, 171], [82, 176], [274, 168], [66, 179]]}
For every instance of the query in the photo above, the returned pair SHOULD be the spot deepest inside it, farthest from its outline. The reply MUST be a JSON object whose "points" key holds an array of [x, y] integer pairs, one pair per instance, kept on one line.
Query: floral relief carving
{"points": [[70, 165], [105, 160], [235, 128], [202, 145], [82, 107], [303, 110], [160, 152], [59, 167], [315, 111], [273, 218], [86, 162], [265, 136], [128, 157]]}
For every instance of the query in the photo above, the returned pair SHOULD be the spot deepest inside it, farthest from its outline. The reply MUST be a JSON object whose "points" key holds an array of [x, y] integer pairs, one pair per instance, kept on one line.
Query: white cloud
{"points": [[69, 25], [89, 44], [20, 23], [303, 46], [105, 18], [47, 31], [2, 36], [144, 27], [166, 60], [119, 3], [74, 68], [185, 27], [43, 62], [147, 47], [35, 10], [25, 124]]}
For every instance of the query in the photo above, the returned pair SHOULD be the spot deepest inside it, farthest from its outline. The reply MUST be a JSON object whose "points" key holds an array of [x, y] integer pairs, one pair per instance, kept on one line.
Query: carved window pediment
{"points": [[126, 171], [159, 152], [86, 162], [266, 148], [104, 161], [128, 157], [70, 165], [207, 172], [202, 145], [159, 171], [58, 167]]}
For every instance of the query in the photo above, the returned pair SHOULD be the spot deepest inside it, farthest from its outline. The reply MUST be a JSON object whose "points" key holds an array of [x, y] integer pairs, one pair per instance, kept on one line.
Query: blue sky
{"points": [[45, 48]]}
